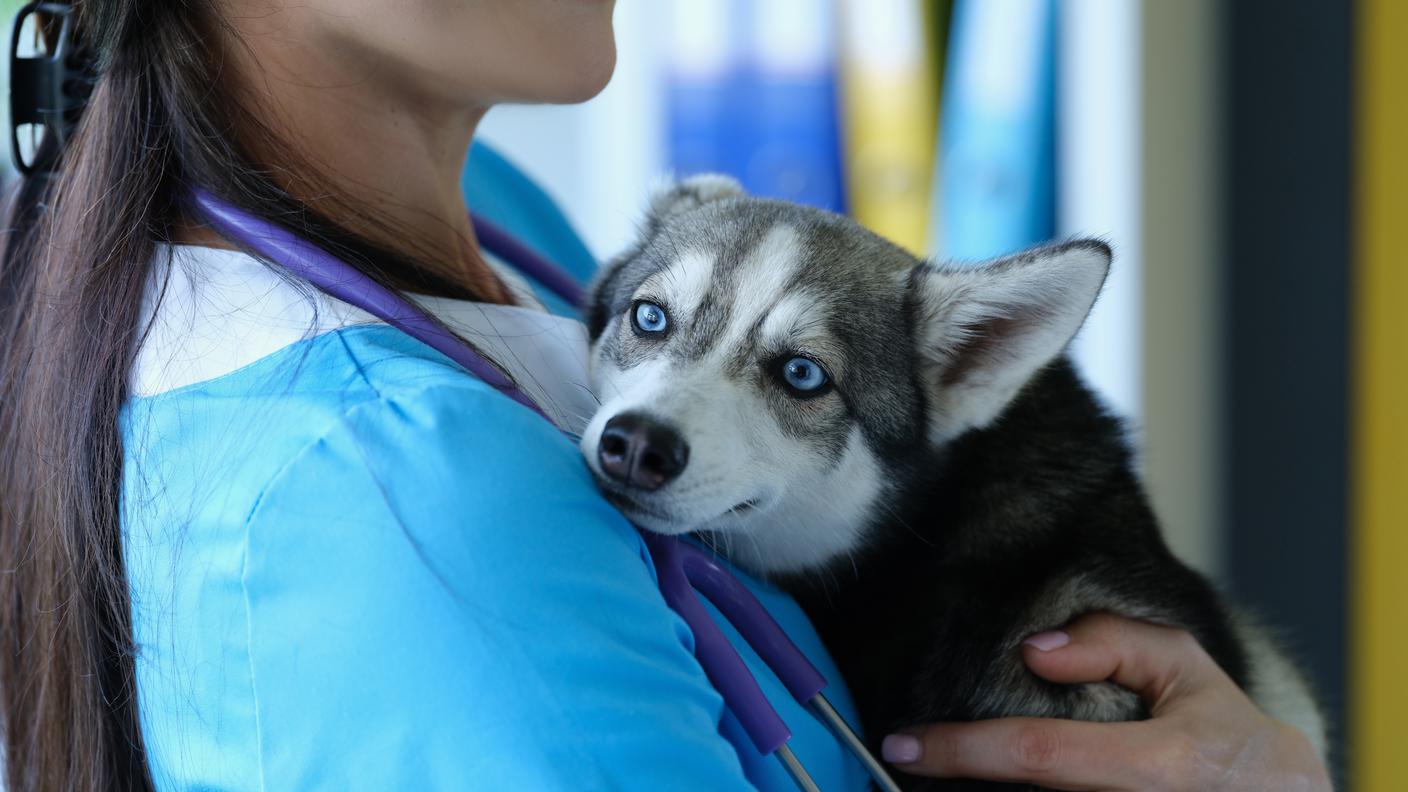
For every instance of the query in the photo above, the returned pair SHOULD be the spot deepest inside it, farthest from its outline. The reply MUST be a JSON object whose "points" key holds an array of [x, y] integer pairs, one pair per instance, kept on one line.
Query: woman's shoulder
{"points": [[475, 485], [433, 444], [354, 362], [388, 403], [284, 398], [422, 588]]}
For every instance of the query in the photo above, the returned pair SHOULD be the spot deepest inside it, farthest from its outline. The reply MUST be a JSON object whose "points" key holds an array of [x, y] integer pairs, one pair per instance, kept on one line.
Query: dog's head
{"points": [[760, 365]]}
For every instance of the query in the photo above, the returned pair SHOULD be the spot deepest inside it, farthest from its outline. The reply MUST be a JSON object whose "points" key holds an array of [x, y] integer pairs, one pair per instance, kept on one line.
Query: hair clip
{"points": [[51, 77]]}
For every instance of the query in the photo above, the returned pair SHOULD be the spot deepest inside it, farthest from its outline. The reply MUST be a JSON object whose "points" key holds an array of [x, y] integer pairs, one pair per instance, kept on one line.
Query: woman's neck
{"points": [[357, 126]]}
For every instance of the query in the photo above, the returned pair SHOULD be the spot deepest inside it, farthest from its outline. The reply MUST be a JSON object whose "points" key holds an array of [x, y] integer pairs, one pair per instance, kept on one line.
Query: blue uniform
{"points": [[355, 566]]}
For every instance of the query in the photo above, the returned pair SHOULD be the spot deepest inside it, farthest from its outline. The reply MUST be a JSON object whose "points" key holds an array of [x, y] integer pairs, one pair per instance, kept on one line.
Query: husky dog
{"points": [[901, 444]]}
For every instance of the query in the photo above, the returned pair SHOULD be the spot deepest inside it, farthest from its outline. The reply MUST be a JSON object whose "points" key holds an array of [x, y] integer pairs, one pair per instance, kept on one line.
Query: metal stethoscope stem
{"points": [[828, 715]]}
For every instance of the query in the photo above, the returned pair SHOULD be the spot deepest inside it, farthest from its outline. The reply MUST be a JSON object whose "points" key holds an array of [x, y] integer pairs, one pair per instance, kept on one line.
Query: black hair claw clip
{"points": [[51, 77]]}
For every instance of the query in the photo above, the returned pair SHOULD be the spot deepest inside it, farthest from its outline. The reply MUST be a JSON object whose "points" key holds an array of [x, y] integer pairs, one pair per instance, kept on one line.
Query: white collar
{"points": [[221, 310]]}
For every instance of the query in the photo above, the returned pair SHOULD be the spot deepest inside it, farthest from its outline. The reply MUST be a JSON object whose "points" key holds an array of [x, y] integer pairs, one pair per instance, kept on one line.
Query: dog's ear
{"points": [[985, 330], [690, 193]]}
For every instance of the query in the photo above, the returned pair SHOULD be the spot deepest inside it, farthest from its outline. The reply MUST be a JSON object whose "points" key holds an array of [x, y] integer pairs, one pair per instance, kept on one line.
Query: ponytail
{"points": [[77, 261]]}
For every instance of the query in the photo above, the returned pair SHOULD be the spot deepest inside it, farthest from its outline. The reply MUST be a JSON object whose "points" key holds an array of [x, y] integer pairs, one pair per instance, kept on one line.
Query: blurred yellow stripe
{"points": [[1379, 669], [889, 114]]}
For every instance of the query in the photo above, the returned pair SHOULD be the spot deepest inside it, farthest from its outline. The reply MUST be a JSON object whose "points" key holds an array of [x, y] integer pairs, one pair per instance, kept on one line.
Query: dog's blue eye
{"points": [[803, 374], [650, 318]]}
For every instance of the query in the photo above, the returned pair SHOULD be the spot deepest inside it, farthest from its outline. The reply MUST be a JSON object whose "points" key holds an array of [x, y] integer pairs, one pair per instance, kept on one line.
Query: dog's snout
{"points": [[641, 451]]}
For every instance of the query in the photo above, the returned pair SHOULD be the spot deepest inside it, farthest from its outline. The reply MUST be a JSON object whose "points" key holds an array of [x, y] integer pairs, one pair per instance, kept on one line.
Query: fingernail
{"points": [[901, 749], [1045, 642]]}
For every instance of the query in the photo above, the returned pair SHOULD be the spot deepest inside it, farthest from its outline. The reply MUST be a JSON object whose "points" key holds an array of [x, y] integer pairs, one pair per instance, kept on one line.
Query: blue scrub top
{"points": [[354, 566]]}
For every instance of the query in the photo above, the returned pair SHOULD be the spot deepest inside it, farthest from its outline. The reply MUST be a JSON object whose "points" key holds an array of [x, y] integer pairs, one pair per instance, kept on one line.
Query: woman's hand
{"points": [[1204, 733]]}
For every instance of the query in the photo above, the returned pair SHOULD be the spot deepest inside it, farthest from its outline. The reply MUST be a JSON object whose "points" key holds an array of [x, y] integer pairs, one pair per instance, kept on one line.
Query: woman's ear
{"points": [[984, 331]]}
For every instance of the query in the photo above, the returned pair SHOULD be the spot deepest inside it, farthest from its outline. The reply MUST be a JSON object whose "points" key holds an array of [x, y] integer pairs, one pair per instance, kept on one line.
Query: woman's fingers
{"points": [[1161, 664], [1054, 753], [1204, 733]]}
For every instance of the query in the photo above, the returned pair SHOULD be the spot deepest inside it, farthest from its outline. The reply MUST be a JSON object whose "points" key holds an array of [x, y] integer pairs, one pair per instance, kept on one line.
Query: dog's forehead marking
{"points": [[684, 283], [763, 277], [797, 315]]}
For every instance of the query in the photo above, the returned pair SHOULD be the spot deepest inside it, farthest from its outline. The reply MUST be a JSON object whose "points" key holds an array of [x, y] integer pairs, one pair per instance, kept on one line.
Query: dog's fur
{"points": [[959, 489]]}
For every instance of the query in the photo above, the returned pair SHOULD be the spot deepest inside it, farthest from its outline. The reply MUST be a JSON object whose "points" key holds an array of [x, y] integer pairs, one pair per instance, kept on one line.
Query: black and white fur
{"points": [[958, 489]]}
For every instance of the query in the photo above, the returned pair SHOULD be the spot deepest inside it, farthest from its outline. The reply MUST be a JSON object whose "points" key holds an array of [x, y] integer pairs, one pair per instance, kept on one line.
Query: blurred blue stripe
{"points": [[997, 147]]}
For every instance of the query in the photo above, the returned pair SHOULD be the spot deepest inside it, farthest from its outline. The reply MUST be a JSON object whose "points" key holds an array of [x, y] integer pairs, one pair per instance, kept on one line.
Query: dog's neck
{"points": [[988, 495]]}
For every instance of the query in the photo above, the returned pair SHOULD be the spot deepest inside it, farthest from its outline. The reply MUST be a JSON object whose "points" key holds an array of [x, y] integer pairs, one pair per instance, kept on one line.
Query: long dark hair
{"points": [[76, 263]]}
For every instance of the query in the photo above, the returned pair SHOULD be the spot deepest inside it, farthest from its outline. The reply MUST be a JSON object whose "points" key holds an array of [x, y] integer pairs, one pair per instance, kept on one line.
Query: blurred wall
{"points": [[1180, 212], [1287, 104]]}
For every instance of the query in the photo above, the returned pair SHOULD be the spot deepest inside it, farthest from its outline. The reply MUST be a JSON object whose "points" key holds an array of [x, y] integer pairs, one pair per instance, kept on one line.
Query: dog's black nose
{"points": [[641, 451]]}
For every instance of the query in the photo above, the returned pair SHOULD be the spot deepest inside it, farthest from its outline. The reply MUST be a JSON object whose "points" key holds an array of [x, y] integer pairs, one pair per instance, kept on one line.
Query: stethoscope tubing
{"points": [[683, 570], [338, 279]]}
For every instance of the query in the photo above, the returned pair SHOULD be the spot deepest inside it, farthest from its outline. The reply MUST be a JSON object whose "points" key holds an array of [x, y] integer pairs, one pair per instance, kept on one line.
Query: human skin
{"points": [[1203, 733], [383, 96]]}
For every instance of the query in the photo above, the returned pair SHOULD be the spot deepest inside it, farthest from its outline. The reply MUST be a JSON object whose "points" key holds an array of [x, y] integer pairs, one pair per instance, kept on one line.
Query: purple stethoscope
{"points": [[681, 568]]}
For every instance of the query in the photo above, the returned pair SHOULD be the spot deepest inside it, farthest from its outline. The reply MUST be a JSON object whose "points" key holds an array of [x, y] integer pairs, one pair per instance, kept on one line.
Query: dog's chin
{"points": [[735, 517], [645, 515], [670, 519], [655, 523]]}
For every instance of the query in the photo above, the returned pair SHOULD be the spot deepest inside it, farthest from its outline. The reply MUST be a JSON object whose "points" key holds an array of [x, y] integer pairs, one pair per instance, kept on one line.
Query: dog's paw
{"points": [[1101, 701], [1010, 689], [1034, 698]]}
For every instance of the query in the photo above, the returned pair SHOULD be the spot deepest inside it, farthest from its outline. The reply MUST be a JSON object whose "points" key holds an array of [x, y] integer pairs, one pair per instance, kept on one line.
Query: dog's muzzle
{"points": [[642, 452]]}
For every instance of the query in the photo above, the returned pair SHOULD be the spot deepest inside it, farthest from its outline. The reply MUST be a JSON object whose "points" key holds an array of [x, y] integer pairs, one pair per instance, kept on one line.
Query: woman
{"points": [[254, 538]]}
